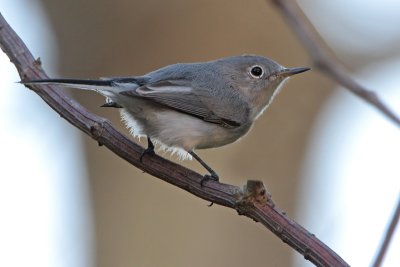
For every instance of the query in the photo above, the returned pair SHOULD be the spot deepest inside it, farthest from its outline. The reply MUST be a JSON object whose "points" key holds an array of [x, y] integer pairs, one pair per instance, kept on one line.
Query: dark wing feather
{"points": [[180, 97]]}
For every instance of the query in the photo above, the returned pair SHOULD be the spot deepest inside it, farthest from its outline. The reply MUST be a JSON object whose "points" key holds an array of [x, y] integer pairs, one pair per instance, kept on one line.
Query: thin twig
{"points": [[248, 201], [387, 237], [323, 57]]}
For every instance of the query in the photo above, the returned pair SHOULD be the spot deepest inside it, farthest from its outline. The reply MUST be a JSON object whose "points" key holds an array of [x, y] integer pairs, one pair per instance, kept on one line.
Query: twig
{"points": [[252, 200], [387, 237], [323, 57]]}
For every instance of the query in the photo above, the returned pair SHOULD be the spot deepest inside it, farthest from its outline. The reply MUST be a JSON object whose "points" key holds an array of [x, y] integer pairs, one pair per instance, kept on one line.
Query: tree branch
{"points": [[387, 237], [251, 200], [326, 62], [323, 58]]}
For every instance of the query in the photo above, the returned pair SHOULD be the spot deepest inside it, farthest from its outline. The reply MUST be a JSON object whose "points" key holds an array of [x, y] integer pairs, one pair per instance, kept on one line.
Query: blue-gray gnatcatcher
{"points": [[191, 106]]}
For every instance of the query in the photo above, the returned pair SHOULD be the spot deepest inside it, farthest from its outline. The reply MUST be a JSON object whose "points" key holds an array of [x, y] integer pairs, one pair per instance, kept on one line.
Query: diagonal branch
{"points": [[323, 57], [252, 200], [387, 237]]}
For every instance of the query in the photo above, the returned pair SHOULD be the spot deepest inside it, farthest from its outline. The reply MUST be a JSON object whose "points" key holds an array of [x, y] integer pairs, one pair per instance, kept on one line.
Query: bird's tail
{"points": [[96, 85], [106, 87]]}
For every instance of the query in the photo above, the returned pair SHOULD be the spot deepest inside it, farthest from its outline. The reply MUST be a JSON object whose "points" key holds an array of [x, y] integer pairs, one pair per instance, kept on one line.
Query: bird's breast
{"points": [[176, 129]]}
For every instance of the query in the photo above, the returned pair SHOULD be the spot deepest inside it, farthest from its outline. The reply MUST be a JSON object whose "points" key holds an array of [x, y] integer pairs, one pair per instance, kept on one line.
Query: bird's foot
{"points": [[111, 104], [147, 151], [212, 176]]}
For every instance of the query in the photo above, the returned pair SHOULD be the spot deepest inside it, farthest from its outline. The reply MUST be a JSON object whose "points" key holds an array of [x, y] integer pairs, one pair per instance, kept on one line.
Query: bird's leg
{"points": [[212, 176], [149, 149]]}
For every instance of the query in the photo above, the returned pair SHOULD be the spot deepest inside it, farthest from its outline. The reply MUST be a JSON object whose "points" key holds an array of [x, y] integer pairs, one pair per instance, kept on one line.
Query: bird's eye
{"points": [[256, 71]]}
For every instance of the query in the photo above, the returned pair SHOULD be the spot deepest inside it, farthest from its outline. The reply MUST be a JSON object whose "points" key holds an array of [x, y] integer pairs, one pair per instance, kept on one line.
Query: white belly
{"points": [[178, 133]]}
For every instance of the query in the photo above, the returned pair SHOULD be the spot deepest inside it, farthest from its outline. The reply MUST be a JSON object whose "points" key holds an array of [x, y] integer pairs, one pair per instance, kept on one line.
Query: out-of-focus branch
{"points": [[252, 200], [323, 58], [325, 61], [387, 237]]}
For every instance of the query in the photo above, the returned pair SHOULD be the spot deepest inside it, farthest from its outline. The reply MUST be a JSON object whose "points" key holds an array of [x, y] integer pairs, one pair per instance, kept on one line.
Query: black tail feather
{"points": [[72, 81], [105, 82]]}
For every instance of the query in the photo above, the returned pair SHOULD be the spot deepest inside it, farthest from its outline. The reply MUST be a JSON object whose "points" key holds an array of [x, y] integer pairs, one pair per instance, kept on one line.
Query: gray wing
{"points": [[200, 103]]}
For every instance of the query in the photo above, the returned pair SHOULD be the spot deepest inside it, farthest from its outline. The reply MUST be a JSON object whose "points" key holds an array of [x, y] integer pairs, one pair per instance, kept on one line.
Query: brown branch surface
{"points": [[323, 57], [252, 200]]}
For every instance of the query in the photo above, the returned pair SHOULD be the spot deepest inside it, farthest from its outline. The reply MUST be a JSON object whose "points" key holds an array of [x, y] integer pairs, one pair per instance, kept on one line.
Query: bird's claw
{"points": [[208, 177], [147, 151]]}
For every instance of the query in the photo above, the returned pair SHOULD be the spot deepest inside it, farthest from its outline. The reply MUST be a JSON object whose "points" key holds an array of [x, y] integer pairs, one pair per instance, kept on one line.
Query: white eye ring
{"points": [[256, 71]]}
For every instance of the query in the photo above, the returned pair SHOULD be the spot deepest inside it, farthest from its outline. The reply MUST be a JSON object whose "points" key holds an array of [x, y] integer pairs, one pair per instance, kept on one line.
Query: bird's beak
{"points": [[292, 71]]}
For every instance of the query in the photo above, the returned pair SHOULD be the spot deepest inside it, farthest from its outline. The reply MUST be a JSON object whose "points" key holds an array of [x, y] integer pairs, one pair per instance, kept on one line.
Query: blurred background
{"points": [[329, 160]]}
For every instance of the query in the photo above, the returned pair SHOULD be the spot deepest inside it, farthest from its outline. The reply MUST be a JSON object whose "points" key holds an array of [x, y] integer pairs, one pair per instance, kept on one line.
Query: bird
{"points": [[184, 107]]}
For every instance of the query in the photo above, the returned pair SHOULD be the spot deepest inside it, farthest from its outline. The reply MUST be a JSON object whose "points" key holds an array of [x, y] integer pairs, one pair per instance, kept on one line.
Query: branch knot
{"points": [[97, 129], [253, 192]]}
